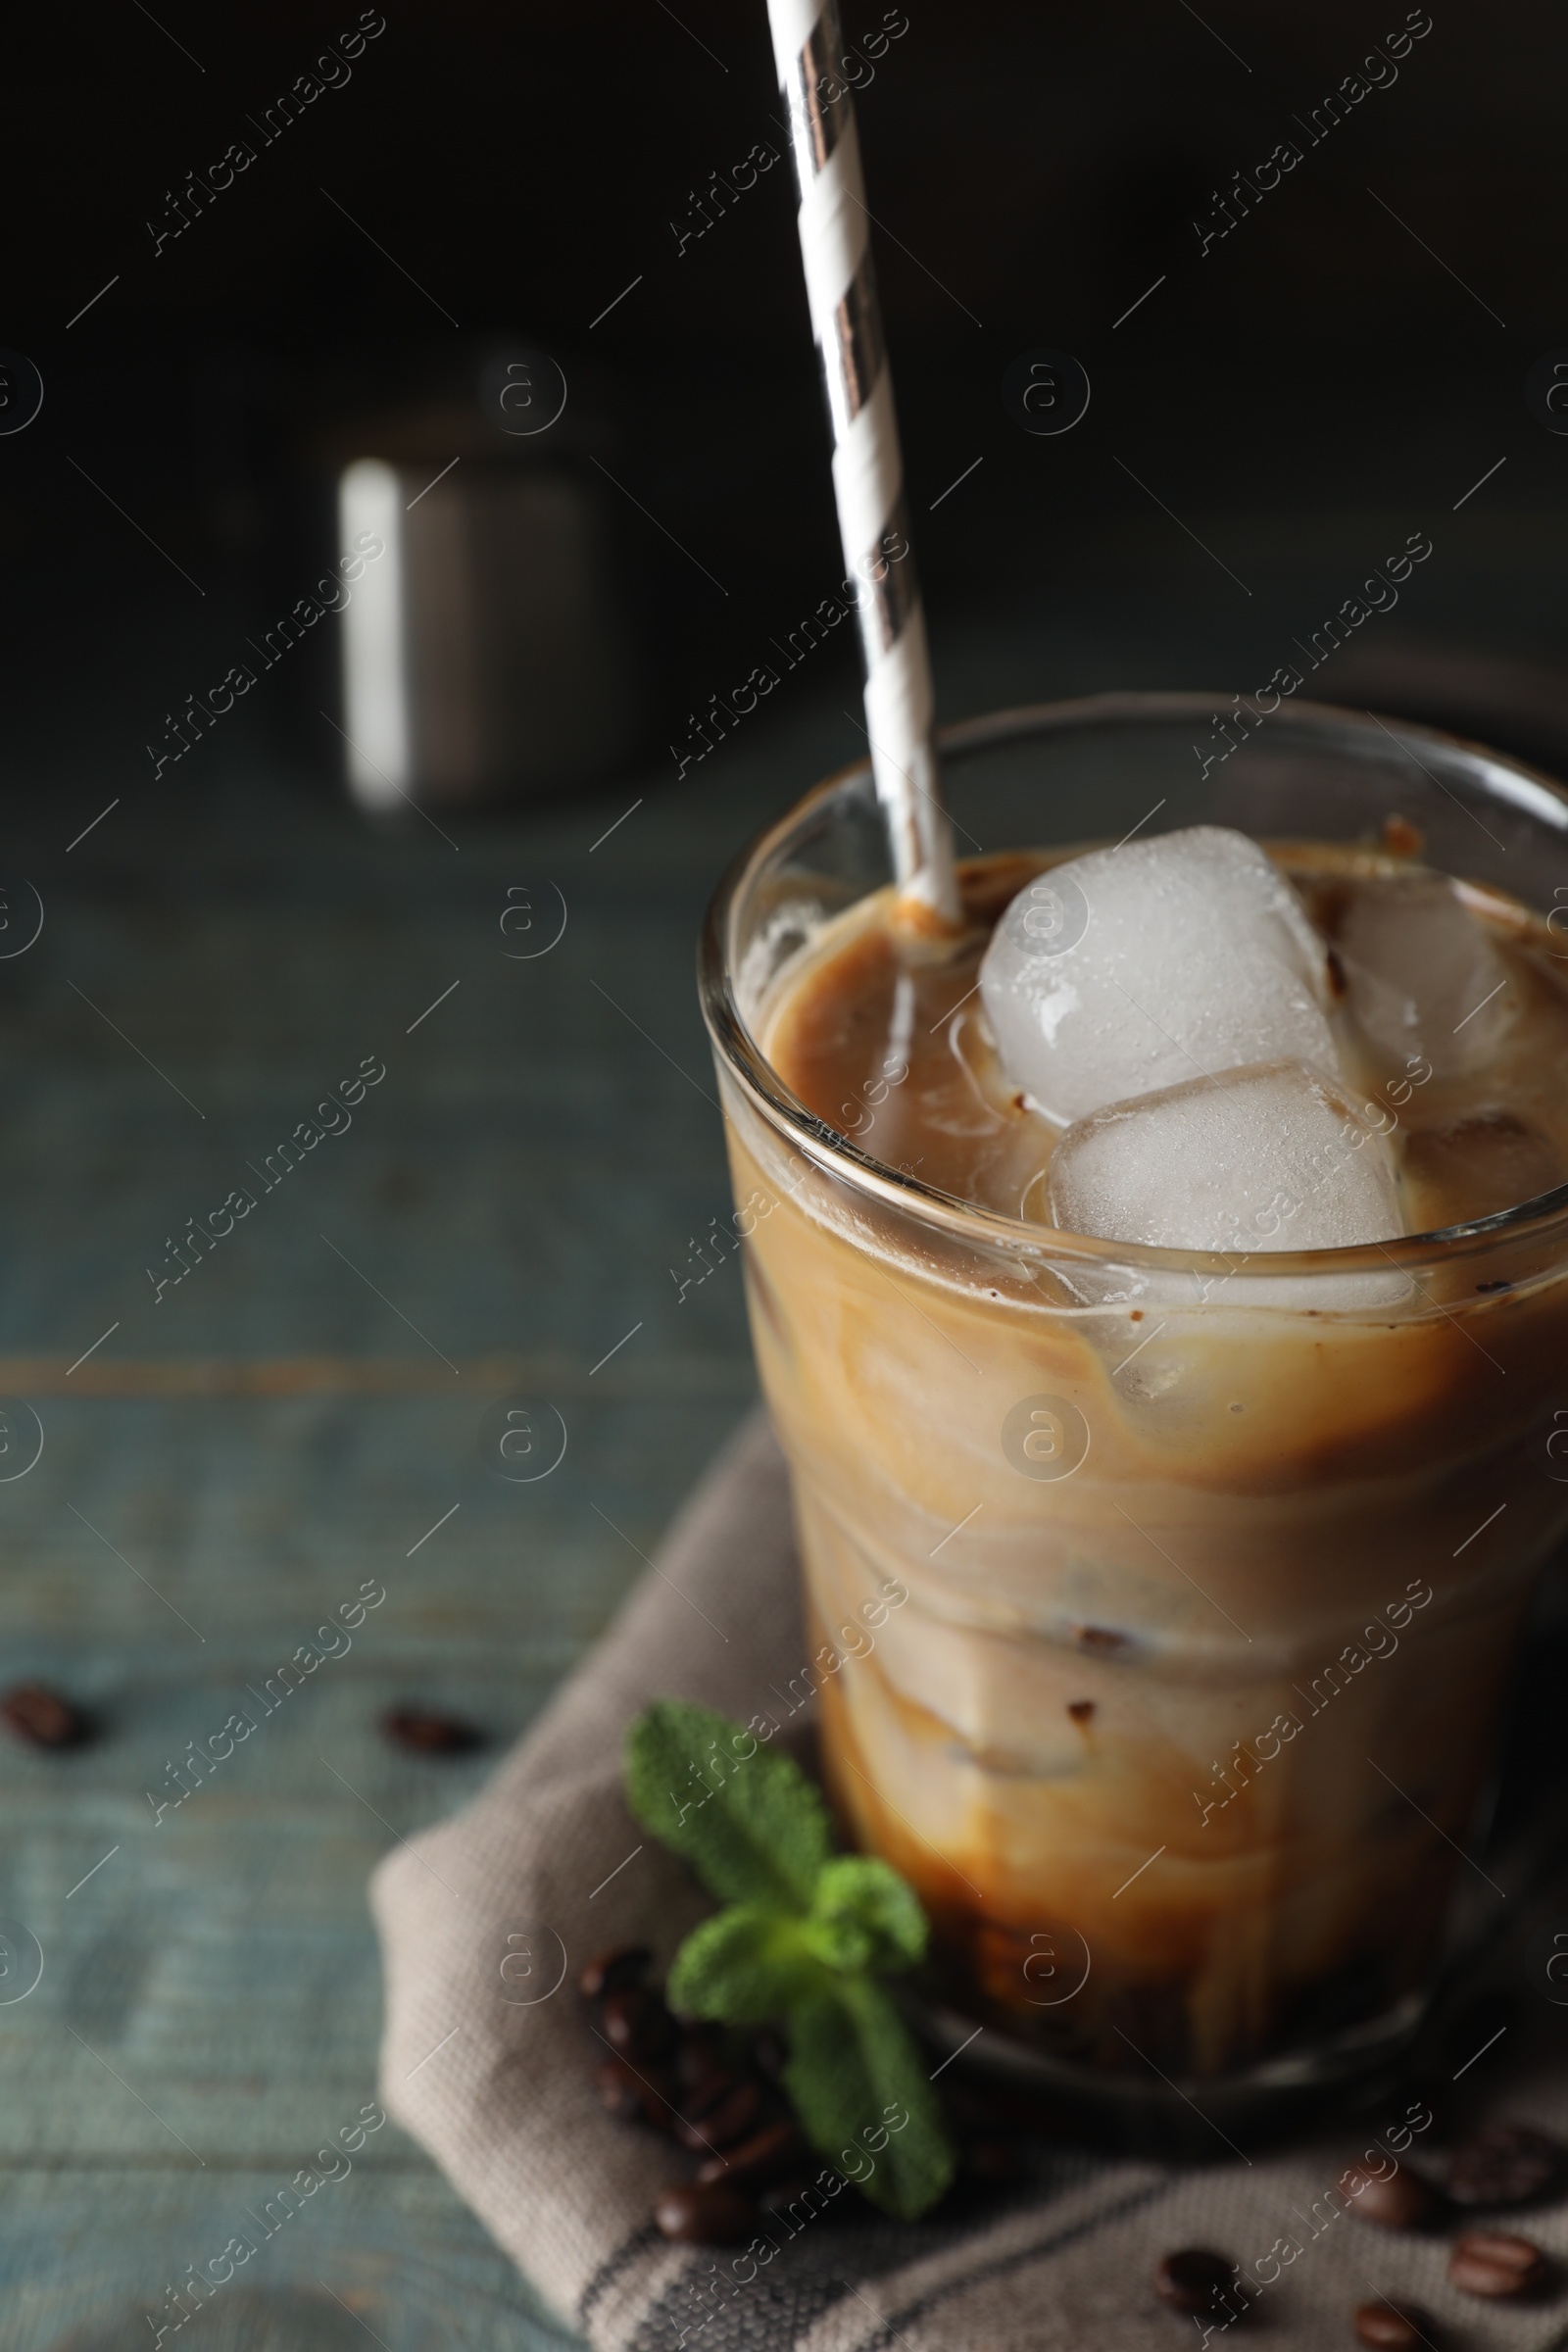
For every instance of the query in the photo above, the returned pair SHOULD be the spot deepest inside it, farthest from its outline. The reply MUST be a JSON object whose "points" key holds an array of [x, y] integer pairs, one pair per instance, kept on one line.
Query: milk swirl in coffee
{"points": [[1215, 1572]]}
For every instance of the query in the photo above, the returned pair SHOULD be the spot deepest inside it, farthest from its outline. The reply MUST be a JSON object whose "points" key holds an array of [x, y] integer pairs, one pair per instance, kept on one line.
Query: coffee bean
{"points": [[615, 1971], [637, 2025], [1489, 2261], [427, 1734], [41, 1717], [1192, 2279], [623, 2014], [1397, 2328], [620, 2091], [701, 2055], [718, 2122], [713, 2090], [1505, 2164], [1397, 2202], [770, 2155], [706, 2215], [631, 2097]]}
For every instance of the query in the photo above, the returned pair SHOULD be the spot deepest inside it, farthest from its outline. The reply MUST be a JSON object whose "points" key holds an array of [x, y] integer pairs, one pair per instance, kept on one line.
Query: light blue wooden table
{"points": [[288, 1422]]}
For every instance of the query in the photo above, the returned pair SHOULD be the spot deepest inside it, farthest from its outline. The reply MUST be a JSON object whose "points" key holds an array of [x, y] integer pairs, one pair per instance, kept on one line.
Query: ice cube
{"points": [[1137, 969], [1269, 1158], [1423, 978], [1483, 1160]]}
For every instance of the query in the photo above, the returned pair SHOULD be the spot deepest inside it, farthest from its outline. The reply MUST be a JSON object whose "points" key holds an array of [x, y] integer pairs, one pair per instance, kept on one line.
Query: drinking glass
{"points": [[1160, 1626]]}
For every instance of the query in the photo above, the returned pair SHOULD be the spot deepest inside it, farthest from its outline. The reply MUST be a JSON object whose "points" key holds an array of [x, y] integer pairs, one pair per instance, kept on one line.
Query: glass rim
{"points": [[1525, 788]]}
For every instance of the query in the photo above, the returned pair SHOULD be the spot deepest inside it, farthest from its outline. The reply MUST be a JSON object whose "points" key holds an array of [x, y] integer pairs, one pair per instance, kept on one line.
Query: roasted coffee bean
{"points": [[620, 2091], [1192, 2279], [713, 2090], [41, 1717], [660, 2032], [631, 2097], [711, 2122], [1505, 2164], [771, 2154], [427, 1734], [710, 2215], [615, 1971], [1490, 2262], [637, 2025], [701, 2056], [1397, 2202], [1397, 2328]]}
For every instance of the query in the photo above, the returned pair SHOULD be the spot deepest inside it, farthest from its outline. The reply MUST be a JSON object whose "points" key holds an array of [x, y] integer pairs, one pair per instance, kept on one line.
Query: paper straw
{"points": [[867, 463]]}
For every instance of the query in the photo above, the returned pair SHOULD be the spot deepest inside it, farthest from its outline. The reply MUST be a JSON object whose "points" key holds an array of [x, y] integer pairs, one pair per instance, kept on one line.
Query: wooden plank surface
{"points": [[242, 1452]]}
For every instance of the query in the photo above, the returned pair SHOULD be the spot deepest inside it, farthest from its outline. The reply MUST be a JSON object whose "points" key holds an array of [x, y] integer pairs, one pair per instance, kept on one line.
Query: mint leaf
{"points": [[746, 1817], [749, 1964], [852, 2073], [863, 1915], [805, 1936]]}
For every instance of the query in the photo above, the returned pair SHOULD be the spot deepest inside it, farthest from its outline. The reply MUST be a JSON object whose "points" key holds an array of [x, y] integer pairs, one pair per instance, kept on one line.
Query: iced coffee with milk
{"points": [[1088, 1296]]}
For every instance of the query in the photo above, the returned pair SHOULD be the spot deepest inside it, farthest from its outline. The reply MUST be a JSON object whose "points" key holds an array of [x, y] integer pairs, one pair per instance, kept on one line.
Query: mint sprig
{"points": [[805, 1936]]}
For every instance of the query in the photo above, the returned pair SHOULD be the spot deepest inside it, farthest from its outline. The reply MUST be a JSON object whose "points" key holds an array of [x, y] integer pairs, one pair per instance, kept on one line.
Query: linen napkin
{"points": [[489, 2056]]}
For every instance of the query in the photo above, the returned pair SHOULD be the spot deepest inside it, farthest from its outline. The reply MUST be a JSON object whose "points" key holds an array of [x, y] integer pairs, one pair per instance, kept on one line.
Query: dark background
{"points": [[1317, 383], [522, 1203]]}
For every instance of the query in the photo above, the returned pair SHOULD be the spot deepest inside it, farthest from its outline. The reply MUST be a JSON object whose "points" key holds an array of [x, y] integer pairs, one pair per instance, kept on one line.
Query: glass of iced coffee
{"points": [[1161, 1297]]}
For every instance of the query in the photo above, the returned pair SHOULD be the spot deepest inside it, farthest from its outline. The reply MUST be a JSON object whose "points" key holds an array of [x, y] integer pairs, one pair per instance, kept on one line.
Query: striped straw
{"points": [[868, 465]]}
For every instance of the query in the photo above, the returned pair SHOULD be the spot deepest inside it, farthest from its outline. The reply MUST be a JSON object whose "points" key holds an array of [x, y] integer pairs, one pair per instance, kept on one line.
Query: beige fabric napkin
{"points": [[488, 2059]]}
